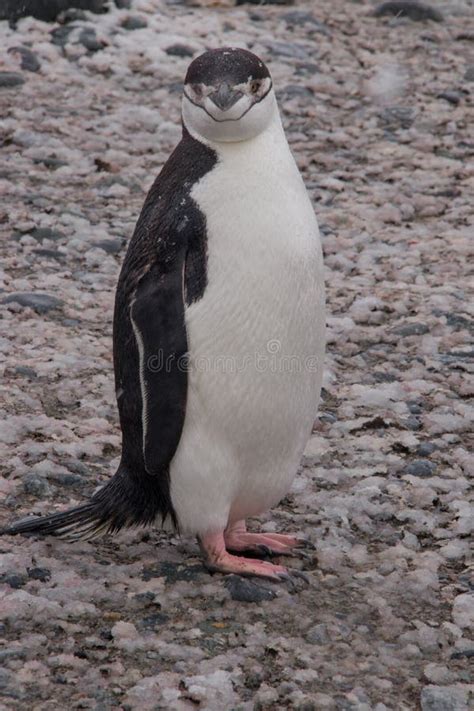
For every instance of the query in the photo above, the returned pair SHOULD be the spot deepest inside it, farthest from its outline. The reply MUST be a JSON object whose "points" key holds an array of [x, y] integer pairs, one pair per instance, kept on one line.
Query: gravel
{"points": [[384, 491]]}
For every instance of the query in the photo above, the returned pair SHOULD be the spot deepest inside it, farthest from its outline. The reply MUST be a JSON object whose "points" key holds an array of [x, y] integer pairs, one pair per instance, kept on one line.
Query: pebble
{"points": [[444, 698], [408, 8], [180, 50], [41, 303], [47, 11], [469, 73], [29, 60], [245, 590], [395, 117], [41, 574], [426, 448], [318, 634], [411, 329], [14, 580], [60, 35], [287, 49], [133, 22], [111, 246], [50, 254], [452, 97], [301, 18], [35, 485], [420, 467], [9, 80], [26, 372], [89, 40], [42, 233]]}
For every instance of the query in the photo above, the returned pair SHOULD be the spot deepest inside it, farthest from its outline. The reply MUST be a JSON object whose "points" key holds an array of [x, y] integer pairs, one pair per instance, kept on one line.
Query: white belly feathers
{"points": [[256, 338]]}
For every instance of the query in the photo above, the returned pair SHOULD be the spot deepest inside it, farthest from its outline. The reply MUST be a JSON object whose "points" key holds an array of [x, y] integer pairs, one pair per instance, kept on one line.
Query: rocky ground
{"points": [[379, 114]]}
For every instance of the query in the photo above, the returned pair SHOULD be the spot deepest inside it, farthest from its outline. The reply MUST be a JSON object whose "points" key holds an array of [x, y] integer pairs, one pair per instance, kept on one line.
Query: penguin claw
{"points": [[304, 555], [262, 548], [304, 542], [291, 576]]}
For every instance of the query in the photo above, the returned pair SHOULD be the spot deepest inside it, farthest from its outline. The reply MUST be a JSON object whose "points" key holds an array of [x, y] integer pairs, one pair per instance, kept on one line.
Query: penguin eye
{"points": [[197, 88], [254, 87]]}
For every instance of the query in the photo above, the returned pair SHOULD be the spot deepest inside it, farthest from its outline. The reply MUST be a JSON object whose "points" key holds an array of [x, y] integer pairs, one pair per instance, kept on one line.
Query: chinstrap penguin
{"points": [[219, 330]]}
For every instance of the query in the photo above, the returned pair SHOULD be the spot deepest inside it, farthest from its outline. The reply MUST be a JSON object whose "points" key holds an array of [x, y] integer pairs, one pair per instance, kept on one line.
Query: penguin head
{"points": [[228, 96]]}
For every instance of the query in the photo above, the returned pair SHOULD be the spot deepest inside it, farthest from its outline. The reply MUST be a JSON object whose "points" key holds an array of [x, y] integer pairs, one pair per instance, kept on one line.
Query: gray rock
{"points": [[41, 233], [413, 423], [78, 467], [328, 417], [6, 654], [420, 467], [46, 10], [67, 479], [244, 590], [300, 17], [426, 448], [5, 678], [452, 97], [41, 303], [49, 254], [153, 622], [415, 407], [395, 117], [290, 91], [411, 329], [444, 698], [318, 634], [29, 60], [88, 39], [35, 485], [14, 580], [41, 574], [459, 321], [172, 572], [26, 372], [111, 246], [463, 654], [50, 162], [179, 50], [60, 35], [287, 49], [133, 22], [8, 80], [469, 73], [408, 8]]}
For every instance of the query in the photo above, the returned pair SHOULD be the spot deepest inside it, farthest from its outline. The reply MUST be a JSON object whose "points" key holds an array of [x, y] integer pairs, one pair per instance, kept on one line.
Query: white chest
{"points": [[264, 257], [256, 337]]}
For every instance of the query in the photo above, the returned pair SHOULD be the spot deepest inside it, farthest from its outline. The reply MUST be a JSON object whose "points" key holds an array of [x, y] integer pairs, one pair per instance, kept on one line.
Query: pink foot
{"points": [[219, 560], [237, 538]]}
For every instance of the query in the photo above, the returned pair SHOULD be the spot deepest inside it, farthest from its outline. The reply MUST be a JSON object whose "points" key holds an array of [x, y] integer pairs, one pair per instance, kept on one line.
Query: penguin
{"points": [[219, 331]]}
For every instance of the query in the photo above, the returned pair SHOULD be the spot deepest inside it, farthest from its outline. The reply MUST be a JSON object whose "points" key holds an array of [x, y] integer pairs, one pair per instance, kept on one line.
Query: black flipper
{"points": [[165, 267], [157, 314]]}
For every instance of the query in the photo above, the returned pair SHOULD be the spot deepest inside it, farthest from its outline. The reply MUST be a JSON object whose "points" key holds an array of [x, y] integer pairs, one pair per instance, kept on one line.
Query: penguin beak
{"points": [[225, 96]]}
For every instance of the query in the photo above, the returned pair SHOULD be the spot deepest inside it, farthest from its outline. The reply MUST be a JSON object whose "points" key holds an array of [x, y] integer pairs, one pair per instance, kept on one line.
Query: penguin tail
{"points": [[123, 502]]}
